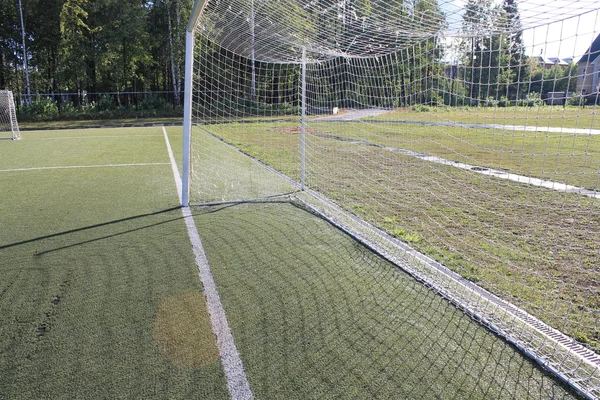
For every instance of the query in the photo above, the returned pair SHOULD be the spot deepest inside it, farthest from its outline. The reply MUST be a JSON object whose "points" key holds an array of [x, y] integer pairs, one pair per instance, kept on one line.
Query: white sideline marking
{"points": [[560, 187], [237, 384], [81, 166], [557, 186]]}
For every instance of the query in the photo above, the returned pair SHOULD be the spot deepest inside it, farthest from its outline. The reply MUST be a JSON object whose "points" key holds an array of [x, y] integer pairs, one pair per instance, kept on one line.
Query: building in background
{"points": [[588, 72]]}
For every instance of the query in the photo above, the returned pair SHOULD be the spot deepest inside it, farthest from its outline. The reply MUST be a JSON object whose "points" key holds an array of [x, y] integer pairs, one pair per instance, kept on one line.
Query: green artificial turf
{"points": [[100, 296], [317, 315]]}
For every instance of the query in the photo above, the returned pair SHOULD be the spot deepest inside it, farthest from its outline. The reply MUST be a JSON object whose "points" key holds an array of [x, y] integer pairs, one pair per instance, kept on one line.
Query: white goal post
{"points": [[8, 116]]}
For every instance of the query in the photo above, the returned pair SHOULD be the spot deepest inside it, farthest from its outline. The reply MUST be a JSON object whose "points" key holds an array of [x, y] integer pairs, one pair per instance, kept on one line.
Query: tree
{"points": [[9, 46], [74, 32], [44, 28], [488, 55], [517, 70]]}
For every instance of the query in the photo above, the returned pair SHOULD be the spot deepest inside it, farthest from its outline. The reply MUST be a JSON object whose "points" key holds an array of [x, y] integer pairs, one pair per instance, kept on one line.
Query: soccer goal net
{"points": [[458, 139], [9, 128]]}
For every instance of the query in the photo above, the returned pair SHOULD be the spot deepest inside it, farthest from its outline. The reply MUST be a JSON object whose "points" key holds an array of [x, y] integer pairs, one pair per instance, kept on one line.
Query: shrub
{"points": [[532, 99], [154, 102], [576, 100], [490, 102], [421, 108], [504, 102], [106, 102], [40, 108]]}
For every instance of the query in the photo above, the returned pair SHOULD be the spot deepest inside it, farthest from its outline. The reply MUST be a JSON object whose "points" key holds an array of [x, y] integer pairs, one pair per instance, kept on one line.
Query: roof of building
{"points": [[559, 61], [553, 60], [593, 52]]}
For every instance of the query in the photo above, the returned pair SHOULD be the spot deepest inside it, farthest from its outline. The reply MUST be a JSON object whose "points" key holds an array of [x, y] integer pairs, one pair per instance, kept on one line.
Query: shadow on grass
{"points": [[100, 225], [316, 314], [105, 224]]}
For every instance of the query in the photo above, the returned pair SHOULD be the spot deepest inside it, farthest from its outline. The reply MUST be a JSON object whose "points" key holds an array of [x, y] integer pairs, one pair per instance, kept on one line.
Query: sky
{"points": [[568, 38], [553, 28]]}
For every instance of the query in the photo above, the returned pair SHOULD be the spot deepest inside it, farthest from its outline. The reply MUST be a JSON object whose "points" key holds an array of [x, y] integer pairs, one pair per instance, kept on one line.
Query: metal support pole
{"points": [[25, 64], [187, 118], [303, 130], [252, 55]]}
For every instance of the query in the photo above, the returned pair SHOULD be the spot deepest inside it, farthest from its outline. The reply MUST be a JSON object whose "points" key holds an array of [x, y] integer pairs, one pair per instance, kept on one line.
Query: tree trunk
{"points": [[172, 57]]}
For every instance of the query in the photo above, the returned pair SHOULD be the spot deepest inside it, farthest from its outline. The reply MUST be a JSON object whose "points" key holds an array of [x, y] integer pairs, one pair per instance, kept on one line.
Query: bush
{"points": [[154, 102], [532, 99], [490, 102], [421, 108], [40, 109], [576, 100], [105, 102], [44, 109], [504, 102]]}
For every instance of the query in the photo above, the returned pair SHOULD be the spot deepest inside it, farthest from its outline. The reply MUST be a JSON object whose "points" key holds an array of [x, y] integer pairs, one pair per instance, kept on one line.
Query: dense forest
{"points": [[130, 53], [97, 46]]}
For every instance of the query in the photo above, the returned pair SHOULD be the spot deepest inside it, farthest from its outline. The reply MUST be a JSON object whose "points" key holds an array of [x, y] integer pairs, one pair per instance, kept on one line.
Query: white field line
{"points": [[558, 186], [237, 384], [527, 128], [514, 128], [81, 166], [359, 114], [552, 185]]}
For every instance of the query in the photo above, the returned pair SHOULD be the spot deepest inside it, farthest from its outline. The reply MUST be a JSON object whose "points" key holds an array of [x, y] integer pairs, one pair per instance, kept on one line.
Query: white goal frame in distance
{"points": [[7, 105]]}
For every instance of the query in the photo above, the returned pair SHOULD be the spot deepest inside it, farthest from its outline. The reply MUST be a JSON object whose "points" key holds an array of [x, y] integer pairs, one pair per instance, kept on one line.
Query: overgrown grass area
{"points": [[587, 117], [99, 295], [531, 246], [317, 315], [572, 159]]}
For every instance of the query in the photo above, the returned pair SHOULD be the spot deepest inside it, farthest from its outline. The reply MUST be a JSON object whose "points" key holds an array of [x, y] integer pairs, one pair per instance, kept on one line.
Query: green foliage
{"points": [[97, 46], [405, 236], [532, 99], [44, 109], [40, 108], [558, 78], [577, 100], [496, 60], [154, 102], [106, 102], [421, 108]]}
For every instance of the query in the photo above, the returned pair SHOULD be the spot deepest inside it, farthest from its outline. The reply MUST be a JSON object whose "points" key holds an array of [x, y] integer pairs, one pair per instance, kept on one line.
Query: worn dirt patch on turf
{"points": [[295, 130], [183, 332]]}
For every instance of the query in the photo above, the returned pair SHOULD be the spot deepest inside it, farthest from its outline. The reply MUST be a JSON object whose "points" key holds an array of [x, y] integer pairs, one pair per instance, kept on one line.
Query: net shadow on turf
{"points": [[315, 313]]}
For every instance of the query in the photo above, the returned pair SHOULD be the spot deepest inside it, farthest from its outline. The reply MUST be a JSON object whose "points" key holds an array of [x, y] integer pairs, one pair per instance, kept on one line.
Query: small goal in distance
{"points": [[9, 127]]}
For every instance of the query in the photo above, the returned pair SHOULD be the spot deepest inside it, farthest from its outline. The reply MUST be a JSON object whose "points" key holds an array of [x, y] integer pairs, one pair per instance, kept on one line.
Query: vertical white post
{"points": [[252, 55], [12, 114], [25, 65], [303, 130], [187, 117]]}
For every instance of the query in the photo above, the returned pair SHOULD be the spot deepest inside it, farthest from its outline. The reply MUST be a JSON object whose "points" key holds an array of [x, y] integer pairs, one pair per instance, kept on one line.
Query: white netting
{"points": [[464, 130], [9, 128]]}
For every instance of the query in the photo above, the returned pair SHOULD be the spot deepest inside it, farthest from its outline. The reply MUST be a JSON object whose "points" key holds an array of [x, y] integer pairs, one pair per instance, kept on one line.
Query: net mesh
{"points": [[9, 128], [458, 139]]}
